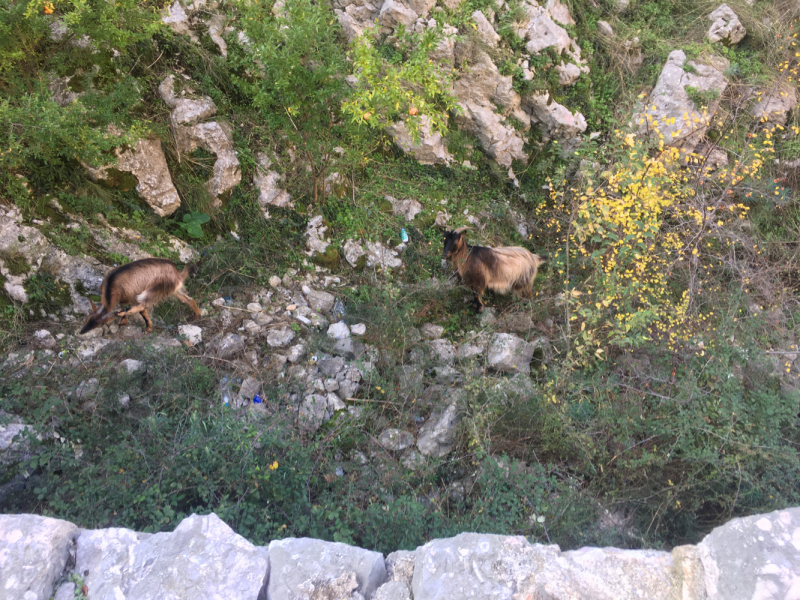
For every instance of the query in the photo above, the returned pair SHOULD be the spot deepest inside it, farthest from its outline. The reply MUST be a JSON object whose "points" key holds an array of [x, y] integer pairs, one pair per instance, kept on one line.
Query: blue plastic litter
{"points": [[403, 236], [257, 399]]}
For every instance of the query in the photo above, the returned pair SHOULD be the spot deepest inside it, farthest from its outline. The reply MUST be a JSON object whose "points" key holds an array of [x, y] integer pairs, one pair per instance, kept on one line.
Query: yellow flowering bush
{"points": [[637, 240]]}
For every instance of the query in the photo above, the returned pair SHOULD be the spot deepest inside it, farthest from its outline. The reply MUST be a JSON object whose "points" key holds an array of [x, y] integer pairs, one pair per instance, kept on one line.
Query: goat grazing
{"points": [[499, 269], [141, 284]]}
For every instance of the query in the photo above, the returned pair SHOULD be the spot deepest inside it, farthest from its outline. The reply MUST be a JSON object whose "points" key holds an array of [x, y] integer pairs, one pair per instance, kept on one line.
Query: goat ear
{"points": [[91, 302]]}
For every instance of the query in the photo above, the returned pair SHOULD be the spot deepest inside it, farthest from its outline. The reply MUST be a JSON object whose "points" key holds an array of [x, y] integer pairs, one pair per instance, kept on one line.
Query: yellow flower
{"points": [[273, 466]]}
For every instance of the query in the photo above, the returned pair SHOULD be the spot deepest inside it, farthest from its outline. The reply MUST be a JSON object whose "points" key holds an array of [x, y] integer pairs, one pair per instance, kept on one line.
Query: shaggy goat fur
{"points": [[502, 270], [141, 284]]}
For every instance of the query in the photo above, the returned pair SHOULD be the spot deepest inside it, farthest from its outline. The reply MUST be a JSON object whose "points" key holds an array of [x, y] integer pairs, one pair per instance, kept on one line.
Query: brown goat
{"points": [[141, 284], [499, 269]]}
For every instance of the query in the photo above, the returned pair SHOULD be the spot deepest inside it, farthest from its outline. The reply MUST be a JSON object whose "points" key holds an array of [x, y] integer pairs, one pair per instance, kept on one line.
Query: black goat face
{"points": [[451, 240]]}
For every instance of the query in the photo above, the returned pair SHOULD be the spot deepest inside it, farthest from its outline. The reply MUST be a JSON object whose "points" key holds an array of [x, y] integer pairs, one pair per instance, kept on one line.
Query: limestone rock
{"points": [[267, 182], [395, 439], [556, 121], [12, 451], [280, 338], [437, 436], [316, 242], [491, 566], [44, 339], [217, 138], [431, 331], [485, 30], [501, 142], [469, 351], [379, 255], [320, 301], [33, 553], [408, 208], [444, 53], [393, 590], [509, 354], [62, 94], [604, 29], [442, 352], [612, 574], [249, 388], [89, 349], [216, 27], [542, 32], [753, 557], [725, 26], [672, 102], [339, 331], [296, 353], [482, 83], [568, 73], [307, 569], [400, 566], [202, 559], [185, 110], [394, 13], [177, 20], [314, 412], [228, 346], [131, 365], [773, 105], [358, 329], [146, 162], [192, 334], [429, 149], [353, 251]]}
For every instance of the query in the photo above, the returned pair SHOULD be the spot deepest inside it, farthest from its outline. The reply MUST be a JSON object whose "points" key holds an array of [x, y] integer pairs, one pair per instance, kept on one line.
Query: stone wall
{"points": [[755, 557]]}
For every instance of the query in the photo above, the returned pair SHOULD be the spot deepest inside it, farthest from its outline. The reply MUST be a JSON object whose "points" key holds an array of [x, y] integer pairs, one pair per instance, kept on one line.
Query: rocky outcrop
{"points": [[485, 30], [751, 557], [428, 149], [267, 181], [203, 558], [672, 111], [308, 569], [187, 108], [438, 435], [725, 27], [773, 105], [556, 121], [147, 163], [510, 354], [217, 138], [34, 552], [490, 108], [176, 19], [199, 18], [500, 141], [25, 251]]}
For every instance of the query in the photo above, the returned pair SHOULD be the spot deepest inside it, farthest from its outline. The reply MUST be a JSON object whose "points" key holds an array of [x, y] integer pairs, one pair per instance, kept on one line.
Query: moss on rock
{"points": [[328, 259]]}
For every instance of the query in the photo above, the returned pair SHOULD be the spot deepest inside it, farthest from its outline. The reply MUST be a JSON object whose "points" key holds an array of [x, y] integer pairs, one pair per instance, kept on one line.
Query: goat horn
{"points": [[94, 308], [462, 229]]}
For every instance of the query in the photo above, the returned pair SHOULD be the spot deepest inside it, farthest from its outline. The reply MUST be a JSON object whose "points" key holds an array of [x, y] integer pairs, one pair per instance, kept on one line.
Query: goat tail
{"points": [[517, 268]]}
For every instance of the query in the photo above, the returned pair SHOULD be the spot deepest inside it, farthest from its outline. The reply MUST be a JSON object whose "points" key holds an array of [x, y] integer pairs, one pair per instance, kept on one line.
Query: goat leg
{"points": [[187, 300], [147, 320], [141, 308]]}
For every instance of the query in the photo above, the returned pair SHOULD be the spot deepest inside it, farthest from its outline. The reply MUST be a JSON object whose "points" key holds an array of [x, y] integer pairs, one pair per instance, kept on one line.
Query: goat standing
{"points": [[142, 284], [499, 269]]}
